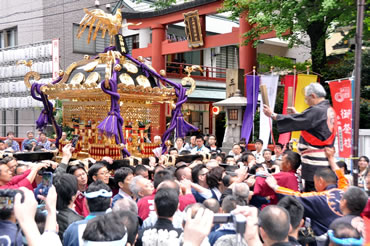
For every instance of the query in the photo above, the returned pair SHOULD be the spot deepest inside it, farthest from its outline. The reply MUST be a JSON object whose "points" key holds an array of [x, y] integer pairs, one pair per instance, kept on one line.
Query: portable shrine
{"points": [[112, 100]]}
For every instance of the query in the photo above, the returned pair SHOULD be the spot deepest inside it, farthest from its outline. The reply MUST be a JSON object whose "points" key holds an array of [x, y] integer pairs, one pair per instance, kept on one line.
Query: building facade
{"points": [[29, 26], [26, 31]]}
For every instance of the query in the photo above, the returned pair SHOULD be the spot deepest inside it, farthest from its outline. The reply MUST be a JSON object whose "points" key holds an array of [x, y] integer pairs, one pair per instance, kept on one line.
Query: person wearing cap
{"points": [[99, 198], [30, 138]]}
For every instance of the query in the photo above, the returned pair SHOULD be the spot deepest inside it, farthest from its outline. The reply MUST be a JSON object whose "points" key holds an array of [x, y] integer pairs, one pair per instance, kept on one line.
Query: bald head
{"points": [[169, 184], [241, 190], [275, 221], [125, 205], [212, 204]]}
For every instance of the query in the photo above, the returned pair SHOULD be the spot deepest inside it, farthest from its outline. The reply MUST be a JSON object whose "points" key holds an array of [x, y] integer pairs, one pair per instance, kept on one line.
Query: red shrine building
{"points": [[188, 34]]}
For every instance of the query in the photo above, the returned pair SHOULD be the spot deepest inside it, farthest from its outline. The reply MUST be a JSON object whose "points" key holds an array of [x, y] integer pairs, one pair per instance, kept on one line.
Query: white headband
{"points": [[99, 193]]}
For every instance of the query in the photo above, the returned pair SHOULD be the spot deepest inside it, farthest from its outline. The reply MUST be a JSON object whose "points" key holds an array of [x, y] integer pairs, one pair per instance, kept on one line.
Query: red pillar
{"points": [[158, 63], [247, 54], [202, 20], [210, 118], [158, 36]]}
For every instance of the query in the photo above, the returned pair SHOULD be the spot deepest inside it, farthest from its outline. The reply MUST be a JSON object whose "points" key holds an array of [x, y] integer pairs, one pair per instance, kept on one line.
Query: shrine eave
{"points": [[172, 9]]}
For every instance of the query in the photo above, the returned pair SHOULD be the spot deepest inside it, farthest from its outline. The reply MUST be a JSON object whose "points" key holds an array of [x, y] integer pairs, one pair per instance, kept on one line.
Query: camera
{"points": [[43, 170], [47, 181], [239, 221], [7, 198], [44, 186], [74, 140]]}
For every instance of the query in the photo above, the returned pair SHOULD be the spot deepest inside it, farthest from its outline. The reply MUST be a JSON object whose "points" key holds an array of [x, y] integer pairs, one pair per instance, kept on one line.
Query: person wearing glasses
{"points": [[98, 171]]}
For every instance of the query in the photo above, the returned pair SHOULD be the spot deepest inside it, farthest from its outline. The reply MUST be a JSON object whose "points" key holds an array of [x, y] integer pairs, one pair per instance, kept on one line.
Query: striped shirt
{"points": [[315, 121]]}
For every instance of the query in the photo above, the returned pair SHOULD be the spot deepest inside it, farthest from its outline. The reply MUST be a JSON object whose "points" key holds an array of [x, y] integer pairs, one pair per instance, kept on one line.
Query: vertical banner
{"points": [[290, 81], [341, 96], [55, 56], [271, 82], [300, 105], [252, 88], [168, 110], [193, 29]]}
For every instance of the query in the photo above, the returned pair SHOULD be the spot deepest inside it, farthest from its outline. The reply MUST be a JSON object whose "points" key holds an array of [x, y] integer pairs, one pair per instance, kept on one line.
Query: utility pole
{"points": [[358, 64]]}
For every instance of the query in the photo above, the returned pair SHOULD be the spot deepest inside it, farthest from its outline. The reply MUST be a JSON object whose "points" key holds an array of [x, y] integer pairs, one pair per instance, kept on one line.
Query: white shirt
{"points": [[259, 156], [203, 149], [124, 194]]}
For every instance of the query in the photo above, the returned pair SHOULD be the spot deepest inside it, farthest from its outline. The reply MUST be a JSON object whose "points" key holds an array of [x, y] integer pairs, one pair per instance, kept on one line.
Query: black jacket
{"points": [[317, 120], [66, 217]]}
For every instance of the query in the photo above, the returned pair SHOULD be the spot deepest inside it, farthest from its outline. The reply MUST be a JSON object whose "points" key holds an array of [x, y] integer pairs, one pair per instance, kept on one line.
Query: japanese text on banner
{"points": [[341, 96]]}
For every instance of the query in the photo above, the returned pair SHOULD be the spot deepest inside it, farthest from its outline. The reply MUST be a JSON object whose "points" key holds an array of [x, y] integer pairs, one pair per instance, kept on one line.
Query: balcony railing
{"points": [[177, 70]]}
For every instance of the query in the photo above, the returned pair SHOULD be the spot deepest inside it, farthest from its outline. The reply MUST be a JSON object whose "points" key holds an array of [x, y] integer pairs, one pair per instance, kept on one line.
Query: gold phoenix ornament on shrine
{"points": [[140, 88], [105, 22]]}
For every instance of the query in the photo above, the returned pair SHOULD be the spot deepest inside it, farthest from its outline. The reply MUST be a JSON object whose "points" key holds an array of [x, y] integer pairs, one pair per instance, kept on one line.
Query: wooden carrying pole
{"points": [[265, 97], [290, 96]]}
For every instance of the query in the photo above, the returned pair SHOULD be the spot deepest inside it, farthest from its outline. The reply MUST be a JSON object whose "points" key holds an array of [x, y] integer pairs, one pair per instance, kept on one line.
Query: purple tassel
{"points": [[46, 115], [113, 123], [42, 121], [109, 125]]}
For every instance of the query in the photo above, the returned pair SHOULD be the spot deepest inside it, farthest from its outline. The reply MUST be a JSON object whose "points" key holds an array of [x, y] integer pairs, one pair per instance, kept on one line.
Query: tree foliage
{"points": [[265, 62], [315, 18], [342, 69]]}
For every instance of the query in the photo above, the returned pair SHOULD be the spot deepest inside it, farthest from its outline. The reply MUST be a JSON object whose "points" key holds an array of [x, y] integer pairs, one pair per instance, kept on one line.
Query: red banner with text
{"points": [[341, 96]]}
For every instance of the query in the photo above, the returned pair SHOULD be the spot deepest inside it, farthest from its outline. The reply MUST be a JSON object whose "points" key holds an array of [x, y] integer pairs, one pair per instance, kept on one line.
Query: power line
{"points": [[42, 16]]}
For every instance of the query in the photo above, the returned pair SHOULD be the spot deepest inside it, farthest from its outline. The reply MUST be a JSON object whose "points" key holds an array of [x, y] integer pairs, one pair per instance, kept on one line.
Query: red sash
{"points": [[312, 140]]}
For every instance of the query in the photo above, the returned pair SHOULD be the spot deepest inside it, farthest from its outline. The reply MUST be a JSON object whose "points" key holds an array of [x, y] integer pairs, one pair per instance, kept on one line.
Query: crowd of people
{"points": [[29, 144], [162, 204], [272, 197]]}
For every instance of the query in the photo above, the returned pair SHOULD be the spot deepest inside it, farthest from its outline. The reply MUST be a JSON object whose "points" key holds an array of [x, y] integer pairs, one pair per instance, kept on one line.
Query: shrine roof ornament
{"points": [[110, 84]]}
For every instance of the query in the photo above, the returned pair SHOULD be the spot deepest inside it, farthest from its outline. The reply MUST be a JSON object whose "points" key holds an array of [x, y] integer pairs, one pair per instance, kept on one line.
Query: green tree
{"points": [[342, 69], [314, 18]]}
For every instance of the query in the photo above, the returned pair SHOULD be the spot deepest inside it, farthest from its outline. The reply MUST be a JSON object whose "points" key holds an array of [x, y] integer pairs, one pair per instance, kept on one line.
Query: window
{"points": [[233, 114], [132, 42], [80, 45], [228, 58], [8, 37]]}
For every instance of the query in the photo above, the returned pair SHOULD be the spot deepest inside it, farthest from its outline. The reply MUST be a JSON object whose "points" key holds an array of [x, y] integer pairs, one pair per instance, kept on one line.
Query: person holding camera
{"points": [[7, 181], [9, 233]]}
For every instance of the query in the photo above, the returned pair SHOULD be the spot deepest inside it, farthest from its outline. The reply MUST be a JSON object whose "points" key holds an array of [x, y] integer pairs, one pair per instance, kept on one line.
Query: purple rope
{"points": [[112, 124], [177, 120], [46, 115], [106, 49]]}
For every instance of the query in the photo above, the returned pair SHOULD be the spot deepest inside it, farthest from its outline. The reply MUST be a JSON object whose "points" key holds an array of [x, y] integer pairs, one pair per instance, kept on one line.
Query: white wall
{"points": [[23, 14], [364, 142]]}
